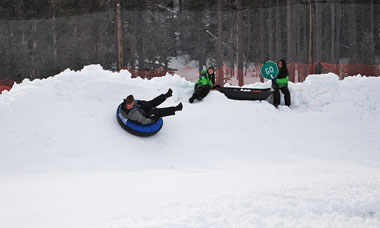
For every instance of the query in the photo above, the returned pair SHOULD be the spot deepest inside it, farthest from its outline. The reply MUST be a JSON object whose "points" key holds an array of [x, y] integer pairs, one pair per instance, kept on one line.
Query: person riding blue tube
{"points": [[146, 112]]}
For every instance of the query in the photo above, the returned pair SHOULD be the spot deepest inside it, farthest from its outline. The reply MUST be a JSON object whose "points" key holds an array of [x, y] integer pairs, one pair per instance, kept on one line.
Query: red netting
{"points": [[344, 70], [6, 84], [297, 73], [149, 74]]}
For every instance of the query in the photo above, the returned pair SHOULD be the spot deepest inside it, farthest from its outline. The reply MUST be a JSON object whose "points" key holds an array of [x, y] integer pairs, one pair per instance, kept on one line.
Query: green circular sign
{"points": [[269, 70]]}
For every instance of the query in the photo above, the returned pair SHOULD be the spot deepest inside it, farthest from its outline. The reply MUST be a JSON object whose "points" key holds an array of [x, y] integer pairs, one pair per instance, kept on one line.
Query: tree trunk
{"points": [[34, 48], [140, 40], [352, 34], [310, 37], [338, 23], [292, 30], [219, 49], [278, 26], [239, 45], [55, 49], [201, 39], [372, 33], [119, 37], [132, 54], [271, 37], [317, 33], [333, 29], [262, 52]]}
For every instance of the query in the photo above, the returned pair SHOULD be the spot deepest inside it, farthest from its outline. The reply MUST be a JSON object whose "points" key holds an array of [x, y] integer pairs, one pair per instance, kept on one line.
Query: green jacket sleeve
{"points": [[203, 81], [282, 82]]}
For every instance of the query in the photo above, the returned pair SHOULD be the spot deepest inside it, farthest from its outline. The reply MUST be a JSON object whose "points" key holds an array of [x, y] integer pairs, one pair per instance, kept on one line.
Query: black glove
{"points": [[275, 85], [155, 119]]}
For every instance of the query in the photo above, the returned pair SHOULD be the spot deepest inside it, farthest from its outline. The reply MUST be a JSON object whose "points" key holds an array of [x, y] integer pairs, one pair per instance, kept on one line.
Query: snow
{"points": [[66, 162]]}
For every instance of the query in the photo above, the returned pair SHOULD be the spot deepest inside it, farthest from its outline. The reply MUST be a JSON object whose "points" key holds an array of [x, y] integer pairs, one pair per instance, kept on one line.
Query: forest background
{"points": [[40, 38]]}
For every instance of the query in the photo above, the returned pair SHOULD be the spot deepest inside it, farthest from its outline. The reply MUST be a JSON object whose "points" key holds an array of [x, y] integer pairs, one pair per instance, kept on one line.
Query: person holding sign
{"points": [[281, 83]]}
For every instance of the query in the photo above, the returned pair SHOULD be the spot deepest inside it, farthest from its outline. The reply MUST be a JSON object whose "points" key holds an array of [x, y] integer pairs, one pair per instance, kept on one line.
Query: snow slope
{"points": [[65, 161]]}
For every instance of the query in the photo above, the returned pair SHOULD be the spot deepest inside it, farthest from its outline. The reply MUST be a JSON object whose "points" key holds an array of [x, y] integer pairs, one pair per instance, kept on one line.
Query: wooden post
{"points": [[119, 36]]}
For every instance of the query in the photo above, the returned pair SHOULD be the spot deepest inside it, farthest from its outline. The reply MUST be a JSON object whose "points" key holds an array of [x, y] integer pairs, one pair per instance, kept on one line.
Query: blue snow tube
{"points": [[136, 128]]}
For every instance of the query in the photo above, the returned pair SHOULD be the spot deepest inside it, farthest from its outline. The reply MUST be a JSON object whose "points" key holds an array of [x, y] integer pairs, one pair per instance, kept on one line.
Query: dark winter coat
{"points": [[136, 113], [205, 79], [282, 78]]}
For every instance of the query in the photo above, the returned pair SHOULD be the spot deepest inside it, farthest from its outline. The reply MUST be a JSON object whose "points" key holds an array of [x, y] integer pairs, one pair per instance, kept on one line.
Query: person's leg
{"points": [[201, 92], [161, 112], [156, 101], [276, 97], [153, 103], [195, 94], [285, 91], [204, 90]]}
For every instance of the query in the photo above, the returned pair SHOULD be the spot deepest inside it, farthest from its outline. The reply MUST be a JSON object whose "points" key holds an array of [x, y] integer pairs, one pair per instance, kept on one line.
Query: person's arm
{"points": [[203, 79], [136, 116], [282, 80]]}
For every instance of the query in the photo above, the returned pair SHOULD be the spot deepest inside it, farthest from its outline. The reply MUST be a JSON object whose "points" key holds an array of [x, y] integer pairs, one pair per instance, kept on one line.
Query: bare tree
{"points": [[352, 33], [277, 27], [271, 34], [239, 44], [200, 30], [292, 23], [263, 52], [219, 49], [317, 31], [333, 31], [372, 30]]}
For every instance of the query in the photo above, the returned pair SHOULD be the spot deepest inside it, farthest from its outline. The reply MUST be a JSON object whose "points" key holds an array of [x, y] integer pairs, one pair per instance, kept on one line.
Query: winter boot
{"points": [[179, 107], [169, 93], [191, 100]]}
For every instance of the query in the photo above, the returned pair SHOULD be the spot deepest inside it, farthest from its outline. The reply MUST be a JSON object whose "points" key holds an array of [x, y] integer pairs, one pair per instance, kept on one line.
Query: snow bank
{"points": [[65, 161]]}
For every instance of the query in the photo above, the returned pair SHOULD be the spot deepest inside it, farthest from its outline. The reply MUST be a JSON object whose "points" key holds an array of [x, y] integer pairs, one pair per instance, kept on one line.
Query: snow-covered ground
{"points": [[66, 162]]}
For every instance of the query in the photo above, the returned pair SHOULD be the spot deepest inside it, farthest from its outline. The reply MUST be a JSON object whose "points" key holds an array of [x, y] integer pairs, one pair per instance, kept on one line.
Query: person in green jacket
{"points": [[204, 84], [281, 83]]}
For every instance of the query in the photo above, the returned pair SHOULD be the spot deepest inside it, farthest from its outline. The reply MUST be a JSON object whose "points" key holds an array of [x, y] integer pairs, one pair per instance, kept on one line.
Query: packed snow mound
{"points": [[315, 92], [73, 113], [66, 162]]}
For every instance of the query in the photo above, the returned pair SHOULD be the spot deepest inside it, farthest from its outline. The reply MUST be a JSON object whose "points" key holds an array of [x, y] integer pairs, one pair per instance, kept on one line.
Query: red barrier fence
{"points": [[6, 84], [297, 73], [149, 74], [344, 70]]}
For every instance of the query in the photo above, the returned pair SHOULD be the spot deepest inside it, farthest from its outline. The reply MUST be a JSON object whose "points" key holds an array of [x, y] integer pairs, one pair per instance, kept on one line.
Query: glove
{"points": [[274, 84], [155, 119]]}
